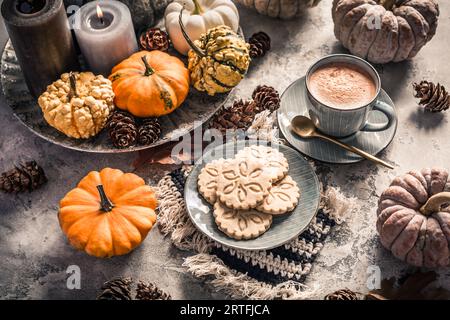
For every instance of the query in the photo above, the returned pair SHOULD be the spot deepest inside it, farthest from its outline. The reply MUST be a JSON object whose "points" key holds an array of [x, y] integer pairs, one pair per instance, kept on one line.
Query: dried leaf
{"points": [[163, 155]]}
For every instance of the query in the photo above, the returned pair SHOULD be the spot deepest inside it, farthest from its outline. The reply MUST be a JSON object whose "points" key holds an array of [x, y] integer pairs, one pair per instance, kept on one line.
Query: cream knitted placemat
{"points": [[273, 274]]}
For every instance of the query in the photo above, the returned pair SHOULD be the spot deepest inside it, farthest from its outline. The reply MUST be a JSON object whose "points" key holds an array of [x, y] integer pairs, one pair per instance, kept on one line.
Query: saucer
{"points": [[294, 101]]}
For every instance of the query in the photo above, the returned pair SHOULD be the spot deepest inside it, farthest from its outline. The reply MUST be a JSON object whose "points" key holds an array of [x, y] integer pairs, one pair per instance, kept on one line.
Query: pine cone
{"points": [[149, 131], [239, 116], [266, 98], [259, 44], [150, 292], [154, 39], [117, 289], [433, 97], [344, 294], [122, 129], [28, 176]]}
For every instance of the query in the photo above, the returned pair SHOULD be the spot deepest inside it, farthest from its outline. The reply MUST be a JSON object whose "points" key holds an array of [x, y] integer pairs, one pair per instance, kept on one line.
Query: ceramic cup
{"points": [[344, 122]]}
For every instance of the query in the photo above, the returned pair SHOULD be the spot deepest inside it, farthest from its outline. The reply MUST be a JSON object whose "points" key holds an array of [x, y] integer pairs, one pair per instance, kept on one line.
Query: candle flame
{"points": [[99, 12]]}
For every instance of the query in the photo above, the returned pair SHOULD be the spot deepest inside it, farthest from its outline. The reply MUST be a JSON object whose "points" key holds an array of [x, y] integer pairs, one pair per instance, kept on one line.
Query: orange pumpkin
{"points": [[150, 83], [109, 213]]}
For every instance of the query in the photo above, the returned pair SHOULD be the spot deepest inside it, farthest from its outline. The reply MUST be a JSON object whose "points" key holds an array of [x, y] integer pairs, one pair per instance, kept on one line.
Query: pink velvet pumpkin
{"points": [[414, 218]]}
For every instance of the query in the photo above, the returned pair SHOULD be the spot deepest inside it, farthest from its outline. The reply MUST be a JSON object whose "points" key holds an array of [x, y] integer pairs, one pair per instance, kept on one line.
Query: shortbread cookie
{"points": [[241, 224], [275, 162], [282, 198], [243, 183], [207, 180]]}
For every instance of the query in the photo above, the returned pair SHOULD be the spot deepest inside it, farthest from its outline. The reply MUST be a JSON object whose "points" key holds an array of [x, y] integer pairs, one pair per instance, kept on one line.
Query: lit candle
{"points": [[105, 34], [41, 38]]}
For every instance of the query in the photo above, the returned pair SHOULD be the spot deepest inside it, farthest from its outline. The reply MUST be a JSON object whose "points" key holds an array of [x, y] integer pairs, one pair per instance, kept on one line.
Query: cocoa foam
{"points": [[342, 86]]}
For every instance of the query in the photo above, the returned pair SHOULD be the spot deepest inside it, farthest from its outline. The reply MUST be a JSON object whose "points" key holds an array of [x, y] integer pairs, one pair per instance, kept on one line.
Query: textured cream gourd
{"points": [[78, 104], [199, 16]]}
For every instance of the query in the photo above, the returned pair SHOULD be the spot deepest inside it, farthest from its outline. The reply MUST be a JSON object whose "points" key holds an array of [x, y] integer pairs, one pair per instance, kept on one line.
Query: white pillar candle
{"points": [[104, 41]]}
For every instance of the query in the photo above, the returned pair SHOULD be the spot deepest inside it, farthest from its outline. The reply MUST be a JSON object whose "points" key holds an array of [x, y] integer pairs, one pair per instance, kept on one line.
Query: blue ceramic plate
{"points": [[284, 228]]}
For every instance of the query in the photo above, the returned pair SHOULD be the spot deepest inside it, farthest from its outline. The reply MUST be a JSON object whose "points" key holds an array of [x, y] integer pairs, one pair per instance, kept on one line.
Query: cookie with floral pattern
{"points": [[275, 162], [207, 180], [282, 198], [243, 183], [241, 224]]}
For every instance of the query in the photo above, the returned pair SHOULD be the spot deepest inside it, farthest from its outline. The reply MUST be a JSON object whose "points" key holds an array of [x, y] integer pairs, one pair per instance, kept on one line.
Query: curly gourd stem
{"points": [[191, 43], [105, 203], [73, 87], [198, 8], [435, 203], [390, 4], [148, 69]]}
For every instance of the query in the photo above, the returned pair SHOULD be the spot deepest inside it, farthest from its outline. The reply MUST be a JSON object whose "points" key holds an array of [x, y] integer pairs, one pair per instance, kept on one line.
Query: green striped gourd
{"points": [[218, 61]]}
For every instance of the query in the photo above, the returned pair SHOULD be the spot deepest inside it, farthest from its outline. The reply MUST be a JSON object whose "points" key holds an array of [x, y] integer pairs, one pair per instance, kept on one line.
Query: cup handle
{"points": [[389, 113]]}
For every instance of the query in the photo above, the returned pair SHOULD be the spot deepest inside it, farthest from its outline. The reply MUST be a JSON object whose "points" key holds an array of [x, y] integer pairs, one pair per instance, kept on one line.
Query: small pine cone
{"points": [[432, 96], [149, 131], [122, 129], [150, 292], [344, 294], [239, 116], [154, 39], [259, 44], [256, 50], [117, 289], [26, 177], [266, 98]]}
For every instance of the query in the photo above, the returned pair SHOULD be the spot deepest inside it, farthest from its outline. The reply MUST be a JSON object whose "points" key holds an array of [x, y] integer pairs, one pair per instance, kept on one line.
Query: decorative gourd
{"points": [[109, 213], [78, 104], [218, 61], [200, 15], [279, 8], [150, 83], [382, 31], [414, 218]]}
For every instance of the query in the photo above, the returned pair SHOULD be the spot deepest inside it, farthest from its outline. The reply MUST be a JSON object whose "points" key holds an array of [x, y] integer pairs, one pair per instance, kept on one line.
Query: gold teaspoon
{"points": [[305, 128]]}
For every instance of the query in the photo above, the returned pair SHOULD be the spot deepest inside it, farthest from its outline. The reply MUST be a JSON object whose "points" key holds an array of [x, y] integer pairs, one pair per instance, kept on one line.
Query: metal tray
{"points": [[196, 110]]}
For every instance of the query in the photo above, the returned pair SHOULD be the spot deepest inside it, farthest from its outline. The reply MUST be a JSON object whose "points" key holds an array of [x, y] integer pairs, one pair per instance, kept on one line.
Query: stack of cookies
{"points": [[248, 190]]}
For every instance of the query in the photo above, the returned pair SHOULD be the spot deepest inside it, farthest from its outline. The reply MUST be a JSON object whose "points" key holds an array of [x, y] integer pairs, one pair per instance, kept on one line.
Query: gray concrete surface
{"points": [[34, 254]]}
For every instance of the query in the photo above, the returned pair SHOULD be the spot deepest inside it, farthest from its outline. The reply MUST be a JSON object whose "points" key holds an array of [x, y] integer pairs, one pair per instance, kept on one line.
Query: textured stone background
{"points": [[34, 253]]}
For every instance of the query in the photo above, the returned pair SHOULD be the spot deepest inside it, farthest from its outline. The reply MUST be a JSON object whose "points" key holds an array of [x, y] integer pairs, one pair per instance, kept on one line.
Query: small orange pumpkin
{"points": [[109, 213], [150, 83]]}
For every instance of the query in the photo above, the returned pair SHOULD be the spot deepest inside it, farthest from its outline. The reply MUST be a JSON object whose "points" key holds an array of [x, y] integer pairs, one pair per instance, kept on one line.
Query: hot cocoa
{"points": [[342, 86]]}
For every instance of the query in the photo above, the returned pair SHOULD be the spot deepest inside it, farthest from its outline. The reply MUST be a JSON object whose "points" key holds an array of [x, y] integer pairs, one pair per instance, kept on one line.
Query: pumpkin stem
{"points": [[73, 87], [388, 4], [105, 203], [148, 69], [191, 43], [435, 203], [198, 8]]}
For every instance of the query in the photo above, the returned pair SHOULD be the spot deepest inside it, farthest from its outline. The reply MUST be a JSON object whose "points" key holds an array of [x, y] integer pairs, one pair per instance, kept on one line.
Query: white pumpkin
{"points": [[198, 17]]}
